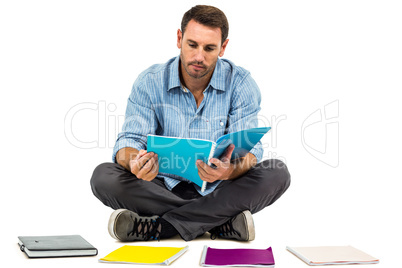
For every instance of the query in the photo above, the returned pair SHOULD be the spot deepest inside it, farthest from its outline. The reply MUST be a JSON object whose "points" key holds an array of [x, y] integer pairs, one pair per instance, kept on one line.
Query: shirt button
{"points": [[221, 124]]}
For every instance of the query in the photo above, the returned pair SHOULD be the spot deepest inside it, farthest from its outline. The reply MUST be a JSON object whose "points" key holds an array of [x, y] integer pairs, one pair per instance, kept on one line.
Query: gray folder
{"points": [[56, 246]]}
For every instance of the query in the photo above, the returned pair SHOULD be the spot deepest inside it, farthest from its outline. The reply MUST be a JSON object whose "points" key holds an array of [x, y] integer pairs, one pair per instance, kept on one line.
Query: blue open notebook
{"points": [[178, 156]]}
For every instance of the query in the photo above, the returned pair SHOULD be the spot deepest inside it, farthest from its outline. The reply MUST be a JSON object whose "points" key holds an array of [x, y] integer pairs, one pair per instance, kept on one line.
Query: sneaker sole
{"points": [[250, 225], [112, 223]]}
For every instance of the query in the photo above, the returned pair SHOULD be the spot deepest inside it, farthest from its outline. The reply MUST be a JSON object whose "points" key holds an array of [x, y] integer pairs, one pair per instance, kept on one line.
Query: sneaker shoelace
{"points": [[147, 228], [224, 230]]}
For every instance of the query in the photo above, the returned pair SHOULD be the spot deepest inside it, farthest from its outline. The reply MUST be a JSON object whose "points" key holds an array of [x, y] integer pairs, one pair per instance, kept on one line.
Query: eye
{"points": [[209, 49], [192, 45]]}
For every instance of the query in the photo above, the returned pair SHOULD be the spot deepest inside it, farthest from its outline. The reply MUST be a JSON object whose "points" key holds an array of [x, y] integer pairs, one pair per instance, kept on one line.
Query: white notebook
{"points": [[332, 255]]}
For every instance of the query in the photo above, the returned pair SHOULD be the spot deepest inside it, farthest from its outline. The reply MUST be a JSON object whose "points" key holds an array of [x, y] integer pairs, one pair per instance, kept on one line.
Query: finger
{"points": [[147, 168], [137, 164], [205, 176], [151, 162], [142, 173], [152, 173], [153, 165], [218, 163], [134, 167], [140, 154], [202, 165], [206, 172], [145, 158], [154, 169], [149, 176], [156, 166], [214, 171], [227, 155], [221, 167]]}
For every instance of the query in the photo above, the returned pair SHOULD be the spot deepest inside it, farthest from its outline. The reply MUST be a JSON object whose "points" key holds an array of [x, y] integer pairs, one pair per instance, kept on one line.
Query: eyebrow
{"points": [[207, 45]]}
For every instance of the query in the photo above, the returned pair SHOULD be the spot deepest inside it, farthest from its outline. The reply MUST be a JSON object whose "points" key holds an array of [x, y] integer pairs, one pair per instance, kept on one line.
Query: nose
{"points": [[199, 55]]}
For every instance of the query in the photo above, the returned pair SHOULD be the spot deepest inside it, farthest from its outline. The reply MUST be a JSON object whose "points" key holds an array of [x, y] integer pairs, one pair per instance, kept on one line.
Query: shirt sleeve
{"points": [[245, 105], [140, 119]]}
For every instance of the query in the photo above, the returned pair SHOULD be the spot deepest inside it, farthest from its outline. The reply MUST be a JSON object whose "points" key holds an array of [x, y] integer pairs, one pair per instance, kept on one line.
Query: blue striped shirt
{"points": [[158, 104]]}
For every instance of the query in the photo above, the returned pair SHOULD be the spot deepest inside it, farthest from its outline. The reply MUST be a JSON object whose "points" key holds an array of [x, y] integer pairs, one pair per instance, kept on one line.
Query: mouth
{"points": [[198, 67]]}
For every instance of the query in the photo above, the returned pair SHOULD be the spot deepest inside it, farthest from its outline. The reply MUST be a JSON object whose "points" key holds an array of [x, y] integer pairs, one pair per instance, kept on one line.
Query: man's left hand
{"points": [[223, 168]]}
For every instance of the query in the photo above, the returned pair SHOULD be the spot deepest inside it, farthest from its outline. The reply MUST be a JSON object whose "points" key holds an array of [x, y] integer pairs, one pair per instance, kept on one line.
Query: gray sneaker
{"points": [[240, 227], [125, 225]]}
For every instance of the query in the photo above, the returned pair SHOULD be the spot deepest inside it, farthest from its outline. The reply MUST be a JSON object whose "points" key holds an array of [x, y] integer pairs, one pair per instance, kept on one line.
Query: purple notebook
{"points": [[237, 257]]}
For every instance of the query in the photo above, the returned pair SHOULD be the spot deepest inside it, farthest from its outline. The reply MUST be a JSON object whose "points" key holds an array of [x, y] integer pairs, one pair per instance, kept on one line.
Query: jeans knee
{"points": [[101, 179], [97, 174], [283, 174], [276, 173]]}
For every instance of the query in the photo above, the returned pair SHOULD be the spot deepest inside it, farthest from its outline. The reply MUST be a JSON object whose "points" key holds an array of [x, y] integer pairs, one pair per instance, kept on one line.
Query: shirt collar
{"points": [[174, 78], [217, 79]]}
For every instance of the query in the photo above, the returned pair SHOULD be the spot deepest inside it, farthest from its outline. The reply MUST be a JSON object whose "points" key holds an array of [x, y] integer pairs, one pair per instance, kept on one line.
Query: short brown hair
{"points": [[208, 16]]}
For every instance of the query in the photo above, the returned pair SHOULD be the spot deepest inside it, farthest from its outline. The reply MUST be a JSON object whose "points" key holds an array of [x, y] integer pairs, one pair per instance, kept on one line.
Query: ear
{"points": [[179, 38], [223, 47]]}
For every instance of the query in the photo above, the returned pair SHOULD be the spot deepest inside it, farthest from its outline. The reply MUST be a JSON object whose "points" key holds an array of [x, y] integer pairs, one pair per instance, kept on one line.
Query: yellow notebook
{"points": [[144, 255]]}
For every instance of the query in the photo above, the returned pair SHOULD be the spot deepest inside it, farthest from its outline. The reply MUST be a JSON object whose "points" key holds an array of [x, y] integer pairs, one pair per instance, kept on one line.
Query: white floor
{"points": [[329, 74]]}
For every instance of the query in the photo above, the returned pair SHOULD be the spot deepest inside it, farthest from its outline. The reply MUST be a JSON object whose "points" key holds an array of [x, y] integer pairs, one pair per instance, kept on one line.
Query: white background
{"points": [[304, 55]]}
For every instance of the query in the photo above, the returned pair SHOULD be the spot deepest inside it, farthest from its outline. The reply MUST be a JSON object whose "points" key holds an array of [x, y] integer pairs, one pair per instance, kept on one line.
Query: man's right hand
{"points": [[145, 165]]}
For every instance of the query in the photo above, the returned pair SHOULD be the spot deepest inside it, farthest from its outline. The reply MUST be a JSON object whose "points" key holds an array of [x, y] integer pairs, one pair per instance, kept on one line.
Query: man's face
{"points": [[200, 47]]}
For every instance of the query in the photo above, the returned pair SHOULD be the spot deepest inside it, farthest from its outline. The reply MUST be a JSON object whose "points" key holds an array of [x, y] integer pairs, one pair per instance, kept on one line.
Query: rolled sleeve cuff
{"points": [[257, 151], [122, 143]]}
